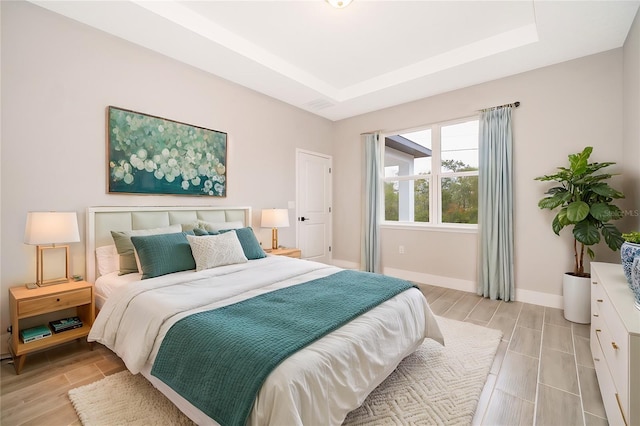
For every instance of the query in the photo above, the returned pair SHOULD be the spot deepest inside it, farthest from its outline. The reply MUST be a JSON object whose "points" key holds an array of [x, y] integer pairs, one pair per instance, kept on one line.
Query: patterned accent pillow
{"points": [[249, 242], [163, 254], [211, 251]]}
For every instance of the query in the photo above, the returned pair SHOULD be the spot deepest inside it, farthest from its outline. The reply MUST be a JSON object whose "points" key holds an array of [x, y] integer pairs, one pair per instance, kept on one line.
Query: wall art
{"points": [[153, 155]]}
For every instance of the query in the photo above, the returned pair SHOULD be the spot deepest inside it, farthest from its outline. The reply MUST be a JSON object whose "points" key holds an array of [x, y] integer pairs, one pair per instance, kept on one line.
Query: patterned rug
{"points": [[434, 385]]}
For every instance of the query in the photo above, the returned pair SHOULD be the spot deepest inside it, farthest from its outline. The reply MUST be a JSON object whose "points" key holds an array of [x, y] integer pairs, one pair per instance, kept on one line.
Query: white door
{"points": [[313, 207]]}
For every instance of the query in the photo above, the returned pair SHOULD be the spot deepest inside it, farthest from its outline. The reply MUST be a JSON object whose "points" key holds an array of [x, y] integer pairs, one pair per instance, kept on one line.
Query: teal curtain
{"points": [[370, 247], [495, 205]]}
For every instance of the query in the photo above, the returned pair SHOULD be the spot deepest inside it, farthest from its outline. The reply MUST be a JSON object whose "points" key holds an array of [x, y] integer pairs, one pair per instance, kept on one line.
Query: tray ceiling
{"points": [[338, 63]]}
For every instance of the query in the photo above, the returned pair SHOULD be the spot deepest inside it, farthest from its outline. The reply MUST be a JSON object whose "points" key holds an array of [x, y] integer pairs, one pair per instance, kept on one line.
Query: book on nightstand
{"points": [[65, 324], [35, 333]]}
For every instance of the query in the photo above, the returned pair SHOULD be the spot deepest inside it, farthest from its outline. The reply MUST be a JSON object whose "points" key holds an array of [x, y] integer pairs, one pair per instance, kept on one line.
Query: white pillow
{"points": [[107, 259], [210, 251]]}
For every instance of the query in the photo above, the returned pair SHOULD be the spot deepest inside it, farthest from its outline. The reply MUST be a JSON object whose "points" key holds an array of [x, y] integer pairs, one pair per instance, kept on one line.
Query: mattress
{"points": [[319, 384], [107, 284]]}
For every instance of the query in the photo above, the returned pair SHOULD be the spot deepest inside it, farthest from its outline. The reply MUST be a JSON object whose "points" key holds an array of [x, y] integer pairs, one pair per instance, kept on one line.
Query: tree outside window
{"points": [[431, 175]]}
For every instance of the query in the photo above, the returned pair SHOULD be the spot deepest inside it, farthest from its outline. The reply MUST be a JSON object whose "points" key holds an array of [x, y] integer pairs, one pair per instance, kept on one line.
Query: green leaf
{"points": [[557, 225], [605, 212], [562, 217], [579, 161], [587, 233], [606, 191], [555, 190], [591, 254], [612, 236], [554, 201], [577, 211]]}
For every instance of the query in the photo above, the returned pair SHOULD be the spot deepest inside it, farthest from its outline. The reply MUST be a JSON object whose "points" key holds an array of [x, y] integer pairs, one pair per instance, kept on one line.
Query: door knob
{"points": [[302, 219]]}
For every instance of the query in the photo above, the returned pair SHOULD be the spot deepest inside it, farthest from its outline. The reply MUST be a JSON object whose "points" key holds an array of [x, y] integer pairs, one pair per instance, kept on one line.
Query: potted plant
{"points": [[629, 250], [584, 202]]}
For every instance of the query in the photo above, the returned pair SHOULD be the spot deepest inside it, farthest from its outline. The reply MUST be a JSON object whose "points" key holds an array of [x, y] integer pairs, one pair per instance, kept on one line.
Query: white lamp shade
{"points": [[275, 218], [51, 228]]}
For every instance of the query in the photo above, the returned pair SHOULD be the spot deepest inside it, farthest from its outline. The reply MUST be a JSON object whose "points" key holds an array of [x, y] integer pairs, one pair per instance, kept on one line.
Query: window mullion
{"points": [[434, 193]]}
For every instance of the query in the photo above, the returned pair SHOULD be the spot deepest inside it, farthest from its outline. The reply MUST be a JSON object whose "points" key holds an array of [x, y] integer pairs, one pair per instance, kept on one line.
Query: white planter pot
{"points": [[576, 293]]}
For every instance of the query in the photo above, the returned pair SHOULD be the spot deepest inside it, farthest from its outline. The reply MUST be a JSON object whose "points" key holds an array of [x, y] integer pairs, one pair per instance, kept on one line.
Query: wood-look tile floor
{"points": [[543, 373]]}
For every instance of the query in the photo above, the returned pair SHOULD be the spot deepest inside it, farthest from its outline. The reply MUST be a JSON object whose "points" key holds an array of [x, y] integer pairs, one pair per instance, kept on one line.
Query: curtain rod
{"points": [[513, 105]]}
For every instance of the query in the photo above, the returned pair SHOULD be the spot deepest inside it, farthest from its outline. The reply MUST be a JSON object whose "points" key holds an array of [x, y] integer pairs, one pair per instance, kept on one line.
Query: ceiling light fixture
{"points": [[339, 4]]}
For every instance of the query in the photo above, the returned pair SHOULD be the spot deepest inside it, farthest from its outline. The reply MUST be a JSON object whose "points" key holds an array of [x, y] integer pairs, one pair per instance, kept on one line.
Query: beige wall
{"points": [[563, 108], [631, 129], [57, 78]]}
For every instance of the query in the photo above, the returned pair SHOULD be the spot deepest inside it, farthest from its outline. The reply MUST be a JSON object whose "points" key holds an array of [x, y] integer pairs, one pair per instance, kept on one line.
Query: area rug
{"points": [[434, 385]]}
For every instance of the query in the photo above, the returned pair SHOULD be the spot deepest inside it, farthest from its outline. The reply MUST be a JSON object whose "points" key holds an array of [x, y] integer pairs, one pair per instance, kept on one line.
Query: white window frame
{"points": [[435, 177]]}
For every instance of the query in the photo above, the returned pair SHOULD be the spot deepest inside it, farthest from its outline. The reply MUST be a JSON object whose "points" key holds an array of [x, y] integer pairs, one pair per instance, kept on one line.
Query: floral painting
{"points": [[153, 155]]}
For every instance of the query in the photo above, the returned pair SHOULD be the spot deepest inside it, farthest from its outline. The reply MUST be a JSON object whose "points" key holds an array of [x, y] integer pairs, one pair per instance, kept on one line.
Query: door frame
{"points": [[297, 211]]}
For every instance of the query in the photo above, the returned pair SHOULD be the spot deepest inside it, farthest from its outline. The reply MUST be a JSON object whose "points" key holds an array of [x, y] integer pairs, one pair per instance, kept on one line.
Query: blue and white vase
{"points": [[635, 280], [628, 252]]}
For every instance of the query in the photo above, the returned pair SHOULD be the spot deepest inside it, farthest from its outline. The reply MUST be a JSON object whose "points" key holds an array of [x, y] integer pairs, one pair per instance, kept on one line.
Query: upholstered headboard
{"points": [[102, 220]]}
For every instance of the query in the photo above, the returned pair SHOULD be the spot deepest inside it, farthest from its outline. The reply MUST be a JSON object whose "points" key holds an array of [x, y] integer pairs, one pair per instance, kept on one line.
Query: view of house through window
{"points": [[431, 175]]}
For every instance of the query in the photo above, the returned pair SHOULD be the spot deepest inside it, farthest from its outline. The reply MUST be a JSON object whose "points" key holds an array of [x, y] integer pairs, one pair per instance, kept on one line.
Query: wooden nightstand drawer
{"points": [[54, 302]]}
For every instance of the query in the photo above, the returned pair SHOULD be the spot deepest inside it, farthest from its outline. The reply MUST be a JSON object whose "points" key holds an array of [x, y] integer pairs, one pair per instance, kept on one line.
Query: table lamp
{"points": [[47, 230], [274, 219]]}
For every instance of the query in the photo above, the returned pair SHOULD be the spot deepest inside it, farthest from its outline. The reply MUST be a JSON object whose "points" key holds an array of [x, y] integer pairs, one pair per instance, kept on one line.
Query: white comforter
{"points": [[318, 385]]}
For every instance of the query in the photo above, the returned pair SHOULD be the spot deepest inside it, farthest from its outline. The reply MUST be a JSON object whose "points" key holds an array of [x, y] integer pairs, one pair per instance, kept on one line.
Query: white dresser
{"points": [[615, 343]]}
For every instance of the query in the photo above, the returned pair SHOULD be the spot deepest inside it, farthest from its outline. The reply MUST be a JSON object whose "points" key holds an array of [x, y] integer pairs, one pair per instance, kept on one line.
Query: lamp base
{"points": [[40, 266], [53, 282], [274, 238]]}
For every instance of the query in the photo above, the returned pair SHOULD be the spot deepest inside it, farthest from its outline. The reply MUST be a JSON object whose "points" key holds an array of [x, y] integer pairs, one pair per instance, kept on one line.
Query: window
{"points": [[431, 175]]}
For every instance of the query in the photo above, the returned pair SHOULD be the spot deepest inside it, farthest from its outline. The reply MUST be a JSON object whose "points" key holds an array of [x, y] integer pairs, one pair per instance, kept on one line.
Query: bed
{"points": [[318, 384]]}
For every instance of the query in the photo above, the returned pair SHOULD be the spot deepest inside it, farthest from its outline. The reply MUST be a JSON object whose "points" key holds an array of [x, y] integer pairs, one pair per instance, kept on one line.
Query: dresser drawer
{"points": [[618, 362], [614, 342], [607, 388], [54, 302]]}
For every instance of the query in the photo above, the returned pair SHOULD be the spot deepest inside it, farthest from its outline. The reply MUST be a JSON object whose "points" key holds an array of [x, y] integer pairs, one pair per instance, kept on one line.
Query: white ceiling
{"points": [[338, 63]]}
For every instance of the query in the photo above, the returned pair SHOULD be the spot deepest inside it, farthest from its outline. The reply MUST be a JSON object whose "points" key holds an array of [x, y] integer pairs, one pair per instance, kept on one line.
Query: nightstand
{"points": [[289, 252], [28, 303]]}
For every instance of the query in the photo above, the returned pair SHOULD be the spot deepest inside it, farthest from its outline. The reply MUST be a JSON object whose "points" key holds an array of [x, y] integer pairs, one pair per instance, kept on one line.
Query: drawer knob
{"points": [[594, 282], [613, 344], [596, 359], [598, 330], [599, 300], [596, 315]]}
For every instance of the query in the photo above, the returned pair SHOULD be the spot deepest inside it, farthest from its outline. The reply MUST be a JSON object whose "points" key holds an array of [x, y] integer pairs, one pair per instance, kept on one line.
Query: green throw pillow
{"points": [[199, 232], [122, 240], [163, 254], [249, 243]]}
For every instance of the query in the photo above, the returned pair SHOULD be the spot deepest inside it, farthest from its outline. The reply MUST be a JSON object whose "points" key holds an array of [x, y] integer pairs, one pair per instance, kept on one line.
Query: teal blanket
{"points": [[219, 359]]}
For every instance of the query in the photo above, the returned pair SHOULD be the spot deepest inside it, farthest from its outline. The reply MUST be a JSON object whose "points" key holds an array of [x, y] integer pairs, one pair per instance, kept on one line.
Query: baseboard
{"points": [[538, 298], [437, 280], [345, 264], [525, 296]]}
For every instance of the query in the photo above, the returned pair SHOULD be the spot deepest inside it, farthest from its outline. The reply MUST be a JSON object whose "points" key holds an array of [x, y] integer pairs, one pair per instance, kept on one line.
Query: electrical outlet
{"points": [[401, 249]]}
